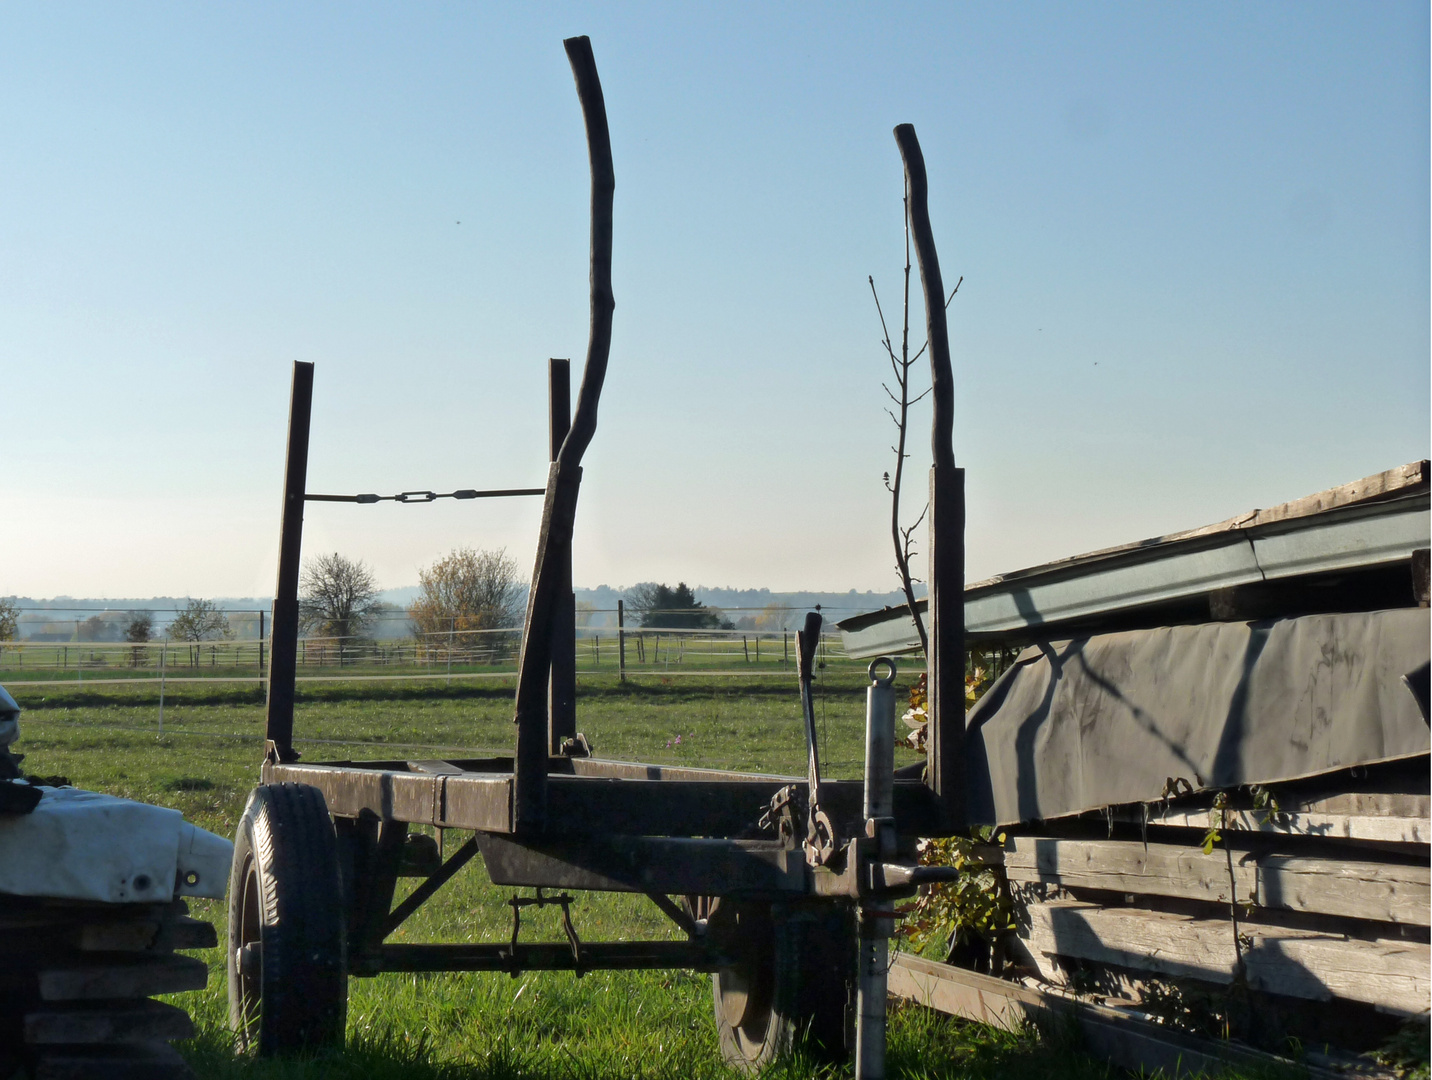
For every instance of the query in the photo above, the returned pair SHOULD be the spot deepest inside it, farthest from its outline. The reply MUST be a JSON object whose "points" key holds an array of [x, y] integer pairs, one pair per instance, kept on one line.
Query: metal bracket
{"points": [[781, 813], [562, 900]]}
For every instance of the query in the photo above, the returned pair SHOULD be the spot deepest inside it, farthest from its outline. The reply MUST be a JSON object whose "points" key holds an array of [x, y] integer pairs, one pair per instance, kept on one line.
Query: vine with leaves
{"points": [[976, 909]]}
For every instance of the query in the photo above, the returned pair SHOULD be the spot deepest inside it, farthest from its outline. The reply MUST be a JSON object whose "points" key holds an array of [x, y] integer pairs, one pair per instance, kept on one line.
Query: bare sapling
{"points": [[903, 536]]}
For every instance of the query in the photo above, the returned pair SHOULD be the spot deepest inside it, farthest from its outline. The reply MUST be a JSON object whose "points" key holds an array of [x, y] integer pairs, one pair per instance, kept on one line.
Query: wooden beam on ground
{"points": [[1390, 974], [1380, 891], [1125, 1039]]}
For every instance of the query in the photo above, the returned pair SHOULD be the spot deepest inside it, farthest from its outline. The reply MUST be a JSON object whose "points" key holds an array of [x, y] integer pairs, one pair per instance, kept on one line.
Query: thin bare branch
{"points": [[955, 289], [889, 348]]}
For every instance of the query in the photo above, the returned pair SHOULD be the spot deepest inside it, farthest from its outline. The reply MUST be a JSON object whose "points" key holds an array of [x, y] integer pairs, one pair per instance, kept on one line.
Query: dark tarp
{"points": [[1080, 724]]}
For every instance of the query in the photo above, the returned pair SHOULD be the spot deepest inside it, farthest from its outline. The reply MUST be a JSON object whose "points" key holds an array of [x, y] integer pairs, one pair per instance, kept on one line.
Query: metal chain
{"points": [[427, 496]]}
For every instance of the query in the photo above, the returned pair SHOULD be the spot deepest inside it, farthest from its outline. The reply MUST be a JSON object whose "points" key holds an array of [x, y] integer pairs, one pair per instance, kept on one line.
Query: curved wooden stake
{"points": [[946, 661], [599, 342], [529, 807]]}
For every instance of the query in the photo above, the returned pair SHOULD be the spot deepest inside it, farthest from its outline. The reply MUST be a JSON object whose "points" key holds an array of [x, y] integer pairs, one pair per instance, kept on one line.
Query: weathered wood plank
{"points": [[1365, 804], [1128, 866], [125, 1061], [1386, 892], [168, 974], [1357, 890], [1331, 825], [145, 934], [1393, 975], [1126, 1040], [107, 1022]]}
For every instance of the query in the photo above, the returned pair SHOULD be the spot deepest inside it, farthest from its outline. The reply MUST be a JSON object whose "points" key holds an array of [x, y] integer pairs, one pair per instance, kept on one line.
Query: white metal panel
{"points": [[1097, 590], [1344, 544]]}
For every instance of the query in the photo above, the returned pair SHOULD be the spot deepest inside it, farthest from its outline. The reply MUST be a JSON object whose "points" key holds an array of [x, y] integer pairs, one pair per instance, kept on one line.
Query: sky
{"points": [[1193, 238]]}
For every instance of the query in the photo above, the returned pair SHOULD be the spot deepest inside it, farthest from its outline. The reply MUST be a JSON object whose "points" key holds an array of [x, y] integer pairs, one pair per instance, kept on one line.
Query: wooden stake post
{"points": [[283, 658], [947, 509], [562, 685], [560, 509]]}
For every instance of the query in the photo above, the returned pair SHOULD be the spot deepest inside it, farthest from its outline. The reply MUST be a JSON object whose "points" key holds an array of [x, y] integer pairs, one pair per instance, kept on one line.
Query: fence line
{"points": [[456, 653]]}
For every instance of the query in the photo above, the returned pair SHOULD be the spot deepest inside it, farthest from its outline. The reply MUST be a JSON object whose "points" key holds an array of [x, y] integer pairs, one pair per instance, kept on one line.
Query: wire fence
{"points": [[453, 654]]}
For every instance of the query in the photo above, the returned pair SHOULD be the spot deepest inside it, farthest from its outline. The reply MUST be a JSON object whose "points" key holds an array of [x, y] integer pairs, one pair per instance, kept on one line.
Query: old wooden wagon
{"points": [[768, 876]]}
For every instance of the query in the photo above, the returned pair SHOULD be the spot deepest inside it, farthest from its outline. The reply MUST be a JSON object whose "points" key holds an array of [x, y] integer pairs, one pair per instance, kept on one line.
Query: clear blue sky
{"points": [[1194, 240]]}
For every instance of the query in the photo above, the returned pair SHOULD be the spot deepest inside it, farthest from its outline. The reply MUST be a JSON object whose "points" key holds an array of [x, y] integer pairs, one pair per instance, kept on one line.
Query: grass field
{"points": [[605, 1025]]}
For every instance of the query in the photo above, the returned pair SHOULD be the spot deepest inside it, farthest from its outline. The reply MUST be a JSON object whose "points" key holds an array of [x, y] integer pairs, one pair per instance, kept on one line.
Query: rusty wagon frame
{"points": [[766, 884]]}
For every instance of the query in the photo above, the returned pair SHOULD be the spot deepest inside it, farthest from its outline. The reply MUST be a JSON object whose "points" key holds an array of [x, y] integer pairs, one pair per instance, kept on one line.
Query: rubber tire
{"points": [[285, 897], [795, 965]]}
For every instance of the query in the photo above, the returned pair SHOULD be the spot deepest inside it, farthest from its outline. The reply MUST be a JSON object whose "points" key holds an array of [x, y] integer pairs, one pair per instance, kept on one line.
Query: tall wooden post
{"points": [[562, 685], [529, 774], [283, 659], [621, 641], [946, 662]]}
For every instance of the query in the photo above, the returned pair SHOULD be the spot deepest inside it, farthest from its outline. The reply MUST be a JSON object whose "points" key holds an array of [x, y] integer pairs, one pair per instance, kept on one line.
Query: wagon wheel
{"points": [[791, 981], [288, 974]]}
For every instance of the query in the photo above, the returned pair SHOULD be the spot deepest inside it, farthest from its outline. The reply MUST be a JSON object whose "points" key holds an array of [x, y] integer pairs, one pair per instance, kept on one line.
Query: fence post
{"points": [[621, 642], [261, 647], [163, 649]]}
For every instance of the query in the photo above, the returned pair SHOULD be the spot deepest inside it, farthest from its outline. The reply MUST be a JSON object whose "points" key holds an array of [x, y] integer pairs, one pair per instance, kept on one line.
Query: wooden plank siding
{"points": [[1391, 974], [1346, 818], [1380, 891]]}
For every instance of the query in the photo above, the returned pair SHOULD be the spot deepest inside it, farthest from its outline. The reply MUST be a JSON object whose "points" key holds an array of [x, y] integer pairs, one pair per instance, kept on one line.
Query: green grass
{"points": [[604, 1025]]}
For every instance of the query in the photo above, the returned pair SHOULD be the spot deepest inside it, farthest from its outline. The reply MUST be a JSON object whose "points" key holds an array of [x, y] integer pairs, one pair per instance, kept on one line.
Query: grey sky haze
{"points": [[1194, 243]]}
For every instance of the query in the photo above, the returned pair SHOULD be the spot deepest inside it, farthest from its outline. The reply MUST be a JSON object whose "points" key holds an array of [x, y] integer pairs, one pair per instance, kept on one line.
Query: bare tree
{"points": [[338, 597], [468, 590], [902, 536], [199, 620], [642, 598]]}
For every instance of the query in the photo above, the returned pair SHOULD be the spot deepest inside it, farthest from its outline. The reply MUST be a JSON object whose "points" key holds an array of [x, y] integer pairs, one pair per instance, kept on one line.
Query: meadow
{"points": [[603, 1026]]}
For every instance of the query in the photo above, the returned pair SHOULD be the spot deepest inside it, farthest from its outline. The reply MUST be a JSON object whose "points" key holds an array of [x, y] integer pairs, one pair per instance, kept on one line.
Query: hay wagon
{"points": [[781, 885]]}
